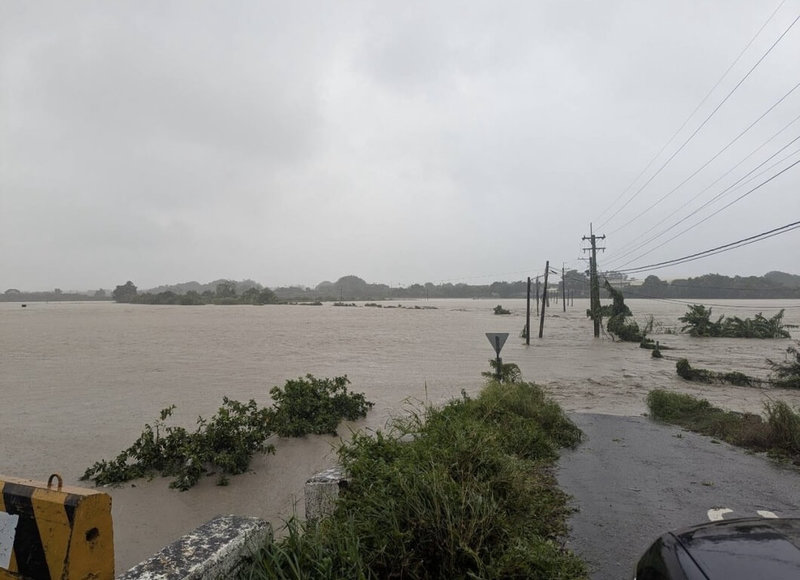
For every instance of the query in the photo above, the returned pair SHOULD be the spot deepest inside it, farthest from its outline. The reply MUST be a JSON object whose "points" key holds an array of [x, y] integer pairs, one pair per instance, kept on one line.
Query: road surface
{"points": [[632, 479]]}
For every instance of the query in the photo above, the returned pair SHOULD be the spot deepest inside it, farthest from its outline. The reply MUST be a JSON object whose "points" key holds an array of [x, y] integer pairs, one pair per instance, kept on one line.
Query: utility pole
{"points": [[594, 284], [544, 301], [563, 287], [528, 315], [537, 295]]}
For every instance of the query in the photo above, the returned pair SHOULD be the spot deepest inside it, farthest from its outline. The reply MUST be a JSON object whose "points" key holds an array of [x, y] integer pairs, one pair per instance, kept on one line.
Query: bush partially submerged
{"points": [[225, 443], [312, 405], [509, 372], [737, 378], [468, 495], [779, 434], [697, 321]]}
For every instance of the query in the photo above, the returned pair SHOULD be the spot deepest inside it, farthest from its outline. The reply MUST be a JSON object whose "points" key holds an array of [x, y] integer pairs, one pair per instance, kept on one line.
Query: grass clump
{"points": [[462, 491], [778, 432], [500, 310], [225, 444]]}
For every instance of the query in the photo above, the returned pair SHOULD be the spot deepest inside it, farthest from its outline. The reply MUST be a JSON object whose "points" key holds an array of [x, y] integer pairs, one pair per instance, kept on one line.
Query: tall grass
{"points": [[778, 432], [467, 493]]}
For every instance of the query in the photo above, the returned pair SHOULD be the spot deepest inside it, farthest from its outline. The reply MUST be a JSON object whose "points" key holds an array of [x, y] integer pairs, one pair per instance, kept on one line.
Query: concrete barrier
{"points": [[214, 550], [48, 530], [321, 492]]}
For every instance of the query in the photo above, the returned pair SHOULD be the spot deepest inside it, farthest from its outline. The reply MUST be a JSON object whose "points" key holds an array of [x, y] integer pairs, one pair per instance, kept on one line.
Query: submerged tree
{"points": [[617, 323], [697, 321]]}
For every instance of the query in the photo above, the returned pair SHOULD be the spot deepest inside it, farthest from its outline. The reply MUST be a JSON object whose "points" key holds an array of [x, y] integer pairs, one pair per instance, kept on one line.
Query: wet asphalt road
{"points": [[633, 479]]}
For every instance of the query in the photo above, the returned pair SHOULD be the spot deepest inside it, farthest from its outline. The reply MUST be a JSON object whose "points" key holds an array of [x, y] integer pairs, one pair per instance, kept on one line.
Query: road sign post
{"points": [[497, 340]]}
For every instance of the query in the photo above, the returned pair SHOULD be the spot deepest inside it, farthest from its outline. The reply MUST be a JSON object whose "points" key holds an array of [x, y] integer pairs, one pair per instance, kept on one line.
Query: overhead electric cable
{"points": [[719, 210], [734, 186], [720, 178], [718, 250], [707, 119], [692, 114], [707, 163], [732, 306]]}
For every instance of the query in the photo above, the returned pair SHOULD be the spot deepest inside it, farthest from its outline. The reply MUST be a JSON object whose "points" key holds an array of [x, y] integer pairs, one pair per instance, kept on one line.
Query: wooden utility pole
{"points": [[563, 287], [544, 301], [528, 315], [594, 283], [537, 295]]}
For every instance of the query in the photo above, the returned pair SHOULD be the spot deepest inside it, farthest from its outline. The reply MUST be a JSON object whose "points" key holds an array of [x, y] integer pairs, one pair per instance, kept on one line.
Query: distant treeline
{"points": [[354, 288], [57, 295], [349, 288], [771, 285], [225, 292]]}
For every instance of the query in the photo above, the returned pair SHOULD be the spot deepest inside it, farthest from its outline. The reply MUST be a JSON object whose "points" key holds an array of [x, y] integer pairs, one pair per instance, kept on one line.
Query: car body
{"points": [[752, 548]]}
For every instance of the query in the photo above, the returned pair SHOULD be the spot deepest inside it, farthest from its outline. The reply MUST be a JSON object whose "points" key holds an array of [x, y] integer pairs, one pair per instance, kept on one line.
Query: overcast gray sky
{"points": [[295, 142]]}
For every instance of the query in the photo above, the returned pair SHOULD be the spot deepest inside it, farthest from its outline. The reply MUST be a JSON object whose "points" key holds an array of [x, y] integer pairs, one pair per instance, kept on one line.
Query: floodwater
{"points": [[79, 381]]}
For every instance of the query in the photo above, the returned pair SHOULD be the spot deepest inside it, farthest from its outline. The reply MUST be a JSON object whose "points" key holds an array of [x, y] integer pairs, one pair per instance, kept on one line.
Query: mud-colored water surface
{"points": [[79, 381]]}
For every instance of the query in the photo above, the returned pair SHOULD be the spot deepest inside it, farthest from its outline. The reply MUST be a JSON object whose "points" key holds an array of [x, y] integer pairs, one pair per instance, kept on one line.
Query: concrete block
{"points": [[212, 551], [321, 492]]}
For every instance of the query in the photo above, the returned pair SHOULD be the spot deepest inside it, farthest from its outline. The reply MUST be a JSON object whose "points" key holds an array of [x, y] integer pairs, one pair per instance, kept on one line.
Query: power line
{"points": [[734, 306], [692, 114], [716, 212], [720, 178], [718, 250], [734, 186], [707, 163], [707, 119]]}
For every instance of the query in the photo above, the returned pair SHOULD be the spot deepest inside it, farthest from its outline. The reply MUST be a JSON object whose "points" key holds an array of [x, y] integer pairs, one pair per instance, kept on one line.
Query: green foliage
{"points": [[669, 407], [308, 551], [509, 372], [312, 405], [500, 310], [124, 293], [779, 434], [225, 293], [225, 443], [686, 371], [758, 327], [698, 322], [470, 495], [737, 378], [618, 306], [617, 322], [787, 374]]}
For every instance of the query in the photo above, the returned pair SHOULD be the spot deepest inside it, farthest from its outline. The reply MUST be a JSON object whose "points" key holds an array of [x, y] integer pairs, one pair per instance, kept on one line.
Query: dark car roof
{"points": [[745, 548]]}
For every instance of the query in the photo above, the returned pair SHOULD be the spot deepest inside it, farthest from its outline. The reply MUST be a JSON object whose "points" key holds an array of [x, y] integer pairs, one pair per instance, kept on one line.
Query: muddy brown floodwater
{"points": [[79, 381]]}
